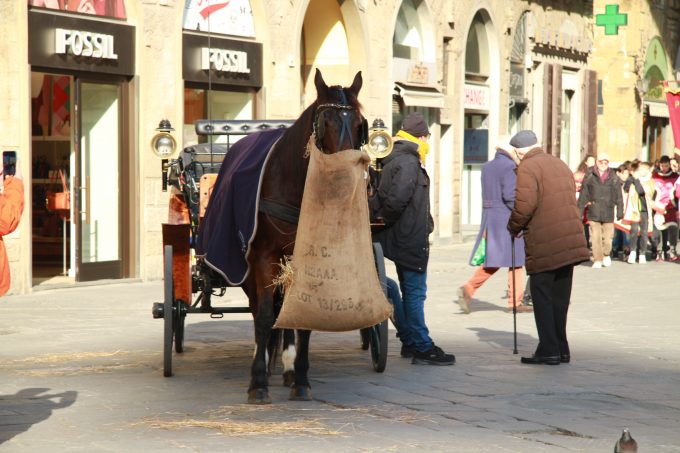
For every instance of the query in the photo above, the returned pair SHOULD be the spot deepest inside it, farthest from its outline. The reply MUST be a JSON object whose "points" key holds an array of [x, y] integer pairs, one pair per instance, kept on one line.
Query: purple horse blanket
{"points": [[230, 221]]}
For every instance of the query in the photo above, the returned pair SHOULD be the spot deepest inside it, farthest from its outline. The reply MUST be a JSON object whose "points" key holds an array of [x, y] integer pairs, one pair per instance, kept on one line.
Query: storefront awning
{"points": [[417, 95], [657, 109]]}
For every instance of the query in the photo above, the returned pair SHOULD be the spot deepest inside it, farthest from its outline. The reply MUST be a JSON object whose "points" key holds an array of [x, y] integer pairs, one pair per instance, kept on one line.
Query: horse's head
{"points": [[338, 123]]}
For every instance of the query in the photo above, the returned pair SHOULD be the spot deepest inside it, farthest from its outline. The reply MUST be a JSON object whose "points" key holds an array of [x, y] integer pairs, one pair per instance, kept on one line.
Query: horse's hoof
{"points": [[300, 393], [289, 378], [259, 396]]}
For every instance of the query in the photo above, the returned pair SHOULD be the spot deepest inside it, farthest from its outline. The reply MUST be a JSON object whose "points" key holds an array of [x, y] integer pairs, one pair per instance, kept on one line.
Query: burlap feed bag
{"points": [[335, 284]]}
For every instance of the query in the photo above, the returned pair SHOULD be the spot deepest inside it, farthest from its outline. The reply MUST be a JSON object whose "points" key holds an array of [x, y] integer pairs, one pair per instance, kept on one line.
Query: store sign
{"points": [[84, 43], [73, 43], [223, 60], [516, 80], [476, 97], [475, 146], [562, 39], [418, 73]]}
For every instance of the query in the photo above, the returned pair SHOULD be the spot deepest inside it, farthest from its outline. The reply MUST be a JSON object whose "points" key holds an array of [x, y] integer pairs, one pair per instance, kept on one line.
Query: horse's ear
{"points": [[321, 87], [356, 84]]}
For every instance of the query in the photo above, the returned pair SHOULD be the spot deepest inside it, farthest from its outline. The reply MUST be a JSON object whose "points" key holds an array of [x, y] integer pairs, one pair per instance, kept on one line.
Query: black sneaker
{"points": [[435, 356], [407, 350]]}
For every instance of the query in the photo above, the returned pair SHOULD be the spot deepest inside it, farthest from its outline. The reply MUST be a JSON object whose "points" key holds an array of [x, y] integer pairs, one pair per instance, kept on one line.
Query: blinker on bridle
{"points": [[345, 127]]}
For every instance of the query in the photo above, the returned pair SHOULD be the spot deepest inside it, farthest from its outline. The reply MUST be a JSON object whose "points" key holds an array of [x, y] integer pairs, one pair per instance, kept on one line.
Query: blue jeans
{"points": [[409, 309]]}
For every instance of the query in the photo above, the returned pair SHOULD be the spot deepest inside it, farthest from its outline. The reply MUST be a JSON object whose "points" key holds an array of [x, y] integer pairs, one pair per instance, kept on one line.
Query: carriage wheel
{"points": [[168, 311], [378, 333], [379, 346], [179, 314]]}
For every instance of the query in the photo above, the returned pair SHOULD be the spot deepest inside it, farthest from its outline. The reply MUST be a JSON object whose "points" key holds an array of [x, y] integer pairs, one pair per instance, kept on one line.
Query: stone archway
{"points": [[331, 40]]}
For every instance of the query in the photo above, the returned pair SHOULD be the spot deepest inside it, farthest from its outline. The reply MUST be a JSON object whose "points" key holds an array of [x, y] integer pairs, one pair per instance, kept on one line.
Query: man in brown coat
{"points": [[545, 211]]}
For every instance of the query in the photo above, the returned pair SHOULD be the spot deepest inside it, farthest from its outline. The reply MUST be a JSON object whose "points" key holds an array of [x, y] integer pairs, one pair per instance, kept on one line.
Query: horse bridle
{"points": [[345, 118]]}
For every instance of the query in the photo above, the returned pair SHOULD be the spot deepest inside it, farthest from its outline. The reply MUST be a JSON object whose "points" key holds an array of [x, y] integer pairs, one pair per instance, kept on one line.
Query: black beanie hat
{"points": [[415, 124]]}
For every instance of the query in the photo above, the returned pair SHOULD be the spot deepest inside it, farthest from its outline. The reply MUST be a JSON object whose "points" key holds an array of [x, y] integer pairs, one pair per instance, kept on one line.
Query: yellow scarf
{"points": [[423, 147]]}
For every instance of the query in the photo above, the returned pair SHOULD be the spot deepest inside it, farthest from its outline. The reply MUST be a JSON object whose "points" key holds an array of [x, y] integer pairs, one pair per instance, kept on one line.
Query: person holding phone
{"points": [[11, 207]]}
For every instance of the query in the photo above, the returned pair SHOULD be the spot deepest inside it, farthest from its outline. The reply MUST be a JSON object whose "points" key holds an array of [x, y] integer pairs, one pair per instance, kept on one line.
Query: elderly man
{"points": [[545, 212], [601, 193]]}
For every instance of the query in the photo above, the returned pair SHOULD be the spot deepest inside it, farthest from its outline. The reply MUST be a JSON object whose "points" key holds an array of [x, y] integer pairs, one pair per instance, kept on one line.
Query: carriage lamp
{"points": [[379, 143], [163, 144]]}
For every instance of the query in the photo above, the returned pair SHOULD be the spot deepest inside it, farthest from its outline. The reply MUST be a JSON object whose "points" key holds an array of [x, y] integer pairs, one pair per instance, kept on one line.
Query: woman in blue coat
{"points": [[498, 199]]}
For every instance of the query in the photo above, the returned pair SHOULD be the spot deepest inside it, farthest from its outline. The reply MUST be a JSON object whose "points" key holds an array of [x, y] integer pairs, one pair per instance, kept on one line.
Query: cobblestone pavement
{"points": [[81, 370]]}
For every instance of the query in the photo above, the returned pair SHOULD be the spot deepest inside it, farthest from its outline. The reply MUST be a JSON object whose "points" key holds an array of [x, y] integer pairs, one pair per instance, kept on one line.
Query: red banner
{"points": [[673, 100]]}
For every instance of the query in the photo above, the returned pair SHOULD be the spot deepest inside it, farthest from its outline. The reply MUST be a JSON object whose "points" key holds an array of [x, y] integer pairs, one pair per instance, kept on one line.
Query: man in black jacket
{"points": [[403, 202]]}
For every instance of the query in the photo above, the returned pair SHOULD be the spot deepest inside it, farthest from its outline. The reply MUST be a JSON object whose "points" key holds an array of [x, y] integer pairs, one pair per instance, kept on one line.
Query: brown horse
{"points": [[336, 120]]}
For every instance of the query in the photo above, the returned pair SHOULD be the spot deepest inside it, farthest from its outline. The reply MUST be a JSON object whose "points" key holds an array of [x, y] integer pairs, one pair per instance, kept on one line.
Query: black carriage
{"points": [[193, 174]]}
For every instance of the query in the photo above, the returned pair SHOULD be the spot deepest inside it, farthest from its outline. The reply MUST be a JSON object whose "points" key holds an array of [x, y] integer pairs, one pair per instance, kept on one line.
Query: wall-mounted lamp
{"points": [[163, 144], [642, 85]]}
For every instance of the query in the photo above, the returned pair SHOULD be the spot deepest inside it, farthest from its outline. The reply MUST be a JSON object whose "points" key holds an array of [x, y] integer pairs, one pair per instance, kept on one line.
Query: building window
{"points": [[216, 105]]}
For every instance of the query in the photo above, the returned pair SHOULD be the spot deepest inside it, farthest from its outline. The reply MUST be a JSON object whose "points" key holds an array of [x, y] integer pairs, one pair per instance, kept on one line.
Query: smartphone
{"points": [[9, 163]]}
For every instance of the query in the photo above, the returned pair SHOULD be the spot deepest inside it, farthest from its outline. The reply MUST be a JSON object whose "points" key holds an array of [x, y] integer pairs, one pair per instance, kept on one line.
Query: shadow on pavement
{"points": [[503, 338], [480, 305], [28, 407]]}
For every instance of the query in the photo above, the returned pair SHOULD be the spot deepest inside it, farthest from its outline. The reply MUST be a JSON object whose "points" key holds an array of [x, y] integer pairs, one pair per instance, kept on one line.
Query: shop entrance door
{"points": [[98, 181]]}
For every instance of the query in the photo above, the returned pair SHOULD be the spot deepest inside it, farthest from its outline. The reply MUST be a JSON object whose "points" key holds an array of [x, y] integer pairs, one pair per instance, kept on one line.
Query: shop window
{"points": [[217, 105], [51, 98], [108, 8]]}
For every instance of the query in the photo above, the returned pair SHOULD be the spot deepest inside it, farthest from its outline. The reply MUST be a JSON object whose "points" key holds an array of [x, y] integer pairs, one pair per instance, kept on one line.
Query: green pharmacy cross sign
{"points": [[611, 20]]}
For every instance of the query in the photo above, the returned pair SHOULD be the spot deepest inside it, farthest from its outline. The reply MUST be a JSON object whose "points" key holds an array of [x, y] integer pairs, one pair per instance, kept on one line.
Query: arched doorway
{"points": [[519, 102], [414, 64], [656, 135], [326, 44], [480, 127]]}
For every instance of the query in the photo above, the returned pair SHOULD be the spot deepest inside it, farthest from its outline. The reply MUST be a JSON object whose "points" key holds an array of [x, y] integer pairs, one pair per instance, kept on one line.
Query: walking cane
{"points": [[514, 297]]}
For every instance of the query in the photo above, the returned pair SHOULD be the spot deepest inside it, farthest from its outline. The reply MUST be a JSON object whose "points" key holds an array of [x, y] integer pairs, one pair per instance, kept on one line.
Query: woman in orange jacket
{"points": [[11, 207]]}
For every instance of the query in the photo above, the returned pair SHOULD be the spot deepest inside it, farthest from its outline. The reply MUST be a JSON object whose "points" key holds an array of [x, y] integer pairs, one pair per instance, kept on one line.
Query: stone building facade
{"points": [[632, 118], [476, 69]]}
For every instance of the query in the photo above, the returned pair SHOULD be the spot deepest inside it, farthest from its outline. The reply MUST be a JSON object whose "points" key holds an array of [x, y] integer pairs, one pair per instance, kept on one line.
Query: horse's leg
{"points": [[258, 392], [288, 357], [301, 390]]}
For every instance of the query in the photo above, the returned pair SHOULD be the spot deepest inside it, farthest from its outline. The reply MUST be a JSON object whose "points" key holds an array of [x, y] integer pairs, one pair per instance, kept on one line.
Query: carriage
{"points": [[190, 282]]}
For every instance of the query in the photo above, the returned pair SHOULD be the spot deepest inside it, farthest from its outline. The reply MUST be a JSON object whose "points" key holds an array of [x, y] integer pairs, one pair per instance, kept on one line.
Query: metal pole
{"points": [[514, 298]]}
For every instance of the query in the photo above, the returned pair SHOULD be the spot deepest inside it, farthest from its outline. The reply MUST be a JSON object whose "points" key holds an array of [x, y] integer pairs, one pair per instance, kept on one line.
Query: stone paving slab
{"points": [[81, 370]]}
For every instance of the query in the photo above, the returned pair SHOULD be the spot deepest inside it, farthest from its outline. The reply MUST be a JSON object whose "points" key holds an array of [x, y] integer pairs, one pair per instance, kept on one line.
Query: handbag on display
{"points": [[59, 201]]}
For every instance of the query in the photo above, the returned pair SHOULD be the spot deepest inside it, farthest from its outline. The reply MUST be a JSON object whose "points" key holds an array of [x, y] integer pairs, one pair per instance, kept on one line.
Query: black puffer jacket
{"points": [[403, 201], [602, 196]]}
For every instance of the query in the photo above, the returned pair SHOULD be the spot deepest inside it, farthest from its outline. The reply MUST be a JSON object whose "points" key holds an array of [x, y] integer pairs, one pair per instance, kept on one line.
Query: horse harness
{"points": [[291, 214]]}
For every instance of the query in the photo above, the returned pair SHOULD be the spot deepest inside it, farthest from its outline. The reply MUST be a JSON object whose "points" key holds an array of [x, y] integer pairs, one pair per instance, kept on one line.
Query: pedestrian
{"points": [[402, 200], [665, 211], [498, 198], [583, 168], [601, 193], [639, 198], [546, 213], [11, 207], [621, 239]]}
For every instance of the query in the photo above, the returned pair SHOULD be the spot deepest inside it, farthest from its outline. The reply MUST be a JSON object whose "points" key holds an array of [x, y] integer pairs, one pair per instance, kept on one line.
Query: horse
{"points": [[336, 121]]}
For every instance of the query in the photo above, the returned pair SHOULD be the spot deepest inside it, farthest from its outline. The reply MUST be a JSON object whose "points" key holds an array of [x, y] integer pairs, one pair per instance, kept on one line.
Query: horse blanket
{"points": [[230, 221]]}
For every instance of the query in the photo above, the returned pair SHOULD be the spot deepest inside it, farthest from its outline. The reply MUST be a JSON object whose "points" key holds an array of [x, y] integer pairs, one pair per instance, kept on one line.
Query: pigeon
{"points": [[626, 444]]}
